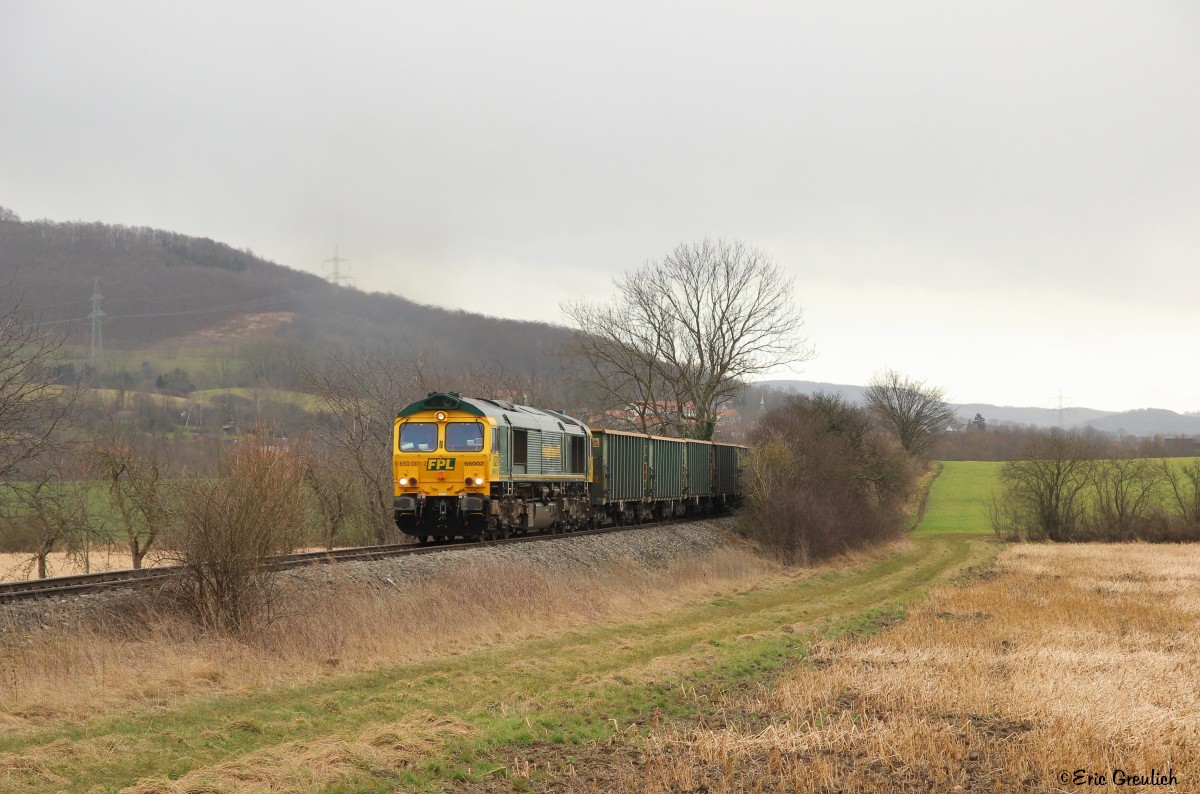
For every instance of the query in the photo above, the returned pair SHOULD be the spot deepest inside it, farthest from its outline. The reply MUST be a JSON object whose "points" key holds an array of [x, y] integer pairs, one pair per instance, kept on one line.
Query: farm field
{"points": [[959, 498], [17, 566], [946, 662], [1067, 668]]}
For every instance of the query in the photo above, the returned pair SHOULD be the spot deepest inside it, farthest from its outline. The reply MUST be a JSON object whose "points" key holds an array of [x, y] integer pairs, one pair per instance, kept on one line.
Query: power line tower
{"points": [[1061, 409], [97, 327], [336, 276]]}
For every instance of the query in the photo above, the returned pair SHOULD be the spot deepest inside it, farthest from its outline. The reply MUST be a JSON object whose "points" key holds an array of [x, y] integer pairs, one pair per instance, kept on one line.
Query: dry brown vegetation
{"points": [[130, 661], [1068, 658]]}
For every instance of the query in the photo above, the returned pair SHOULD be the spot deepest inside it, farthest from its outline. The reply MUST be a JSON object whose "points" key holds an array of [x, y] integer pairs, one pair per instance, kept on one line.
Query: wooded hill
{"points": [[161, 288]]}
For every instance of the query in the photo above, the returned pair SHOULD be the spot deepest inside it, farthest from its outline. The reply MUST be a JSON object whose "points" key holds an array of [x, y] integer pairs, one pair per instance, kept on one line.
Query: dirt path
{"points": [[465, 722]]}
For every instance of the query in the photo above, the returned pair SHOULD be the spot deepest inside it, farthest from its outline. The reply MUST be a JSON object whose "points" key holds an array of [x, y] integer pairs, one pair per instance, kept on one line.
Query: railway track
{"points": [[96, 582]]}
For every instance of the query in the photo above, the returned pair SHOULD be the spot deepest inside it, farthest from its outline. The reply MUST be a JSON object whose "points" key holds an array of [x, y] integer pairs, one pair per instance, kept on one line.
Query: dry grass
{"points": [[308, 766], [1079, 657], [140, 661]]}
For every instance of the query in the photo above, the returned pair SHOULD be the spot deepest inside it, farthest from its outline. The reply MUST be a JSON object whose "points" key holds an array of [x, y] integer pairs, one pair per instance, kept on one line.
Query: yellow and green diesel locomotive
{"points": [[482, 468], [475, 467]]}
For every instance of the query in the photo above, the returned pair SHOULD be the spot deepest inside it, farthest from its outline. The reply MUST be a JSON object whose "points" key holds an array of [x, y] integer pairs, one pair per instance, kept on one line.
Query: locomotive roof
{"points": [[519, 416]]}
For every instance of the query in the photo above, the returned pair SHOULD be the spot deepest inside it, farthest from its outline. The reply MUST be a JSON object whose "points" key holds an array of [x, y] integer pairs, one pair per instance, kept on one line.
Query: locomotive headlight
{"points": [[403, 481], [479, 481], [441, 416]]}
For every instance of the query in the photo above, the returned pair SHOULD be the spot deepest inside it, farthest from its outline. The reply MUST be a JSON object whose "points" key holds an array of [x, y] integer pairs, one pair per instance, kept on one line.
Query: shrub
{"points": [[821, 481], [227, 527]]}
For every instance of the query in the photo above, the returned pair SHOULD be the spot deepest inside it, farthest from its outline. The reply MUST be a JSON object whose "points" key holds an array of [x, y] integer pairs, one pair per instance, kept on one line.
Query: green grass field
{"points": [[958, 501], [959, 498]]}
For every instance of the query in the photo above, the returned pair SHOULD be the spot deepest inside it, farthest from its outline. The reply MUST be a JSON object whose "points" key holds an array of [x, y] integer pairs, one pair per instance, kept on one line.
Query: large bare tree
{"points": [[360, 392], [34, 457], [1043, 495], [914, 411], [684, 333], [32, 408]]}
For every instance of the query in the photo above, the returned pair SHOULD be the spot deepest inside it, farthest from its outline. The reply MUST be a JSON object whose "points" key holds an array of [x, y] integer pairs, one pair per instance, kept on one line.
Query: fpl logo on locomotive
{"points": [[440, 464]]}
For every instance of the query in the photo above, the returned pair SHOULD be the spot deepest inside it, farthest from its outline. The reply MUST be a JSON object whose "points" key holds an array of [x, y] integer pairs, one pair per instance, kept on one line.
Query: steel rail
{"points": [[80, 584]]}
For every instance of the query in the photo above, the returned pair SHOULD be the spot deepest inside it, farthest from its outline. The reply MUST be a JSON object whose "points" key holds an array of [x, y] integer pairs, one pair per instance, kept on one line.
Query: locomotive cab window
{"points": [[418, 437], [464, 437]]}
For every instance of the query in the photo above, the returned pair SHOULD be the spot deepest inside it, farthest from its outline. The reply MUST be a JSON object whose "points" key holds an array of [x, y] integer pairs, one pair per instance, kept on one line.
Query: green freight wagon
{"points": [[668, 476], [666, 468], [726, 470], [620, 467], [699, 464]]}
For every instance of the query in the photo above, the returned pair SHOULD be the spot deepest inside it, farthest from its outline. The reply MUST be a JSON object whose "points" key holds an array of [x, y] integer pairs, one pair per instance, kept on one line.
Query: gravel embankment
{"points": [[651, 547]]}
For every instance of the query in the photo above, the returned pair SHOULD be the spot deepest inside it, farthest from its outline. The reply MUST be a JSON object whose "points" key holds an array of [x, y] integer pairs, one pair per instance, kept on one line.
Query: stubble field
{"points": [[1065, 665]]}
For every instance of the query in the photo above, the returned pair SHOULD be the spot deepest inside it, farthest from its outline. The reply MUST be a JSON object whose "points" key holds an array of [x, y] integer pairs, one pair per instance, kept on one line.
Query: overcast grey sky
{"points": [[1001, 198]]}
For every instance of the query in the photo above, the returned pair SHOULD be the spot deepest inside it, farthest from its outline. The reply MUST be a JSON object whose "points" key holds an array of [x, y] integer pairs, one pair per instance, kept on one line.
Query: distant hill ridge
{"points": [[164, 289], [1140, 422], [161, 286]]}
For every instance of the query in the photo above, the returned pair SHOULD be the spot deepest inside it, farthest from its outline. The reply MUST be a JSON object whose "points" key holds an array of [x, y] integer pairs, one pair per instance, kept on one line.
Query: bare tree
{"points": [[223, 370], [1043, 496], [33, 409], [1184, 483], [230, 525], [1126, 495], [48, 512], [132, 466], [915, 412], [34, 413], [684, 334], [336, 494], [361, 392]]}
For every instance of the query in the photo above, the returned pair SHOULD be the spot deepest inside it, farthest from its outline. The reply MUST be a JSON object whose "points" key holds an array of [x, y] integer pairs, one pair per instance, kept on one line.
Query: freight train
{"points": [[483, 469]]}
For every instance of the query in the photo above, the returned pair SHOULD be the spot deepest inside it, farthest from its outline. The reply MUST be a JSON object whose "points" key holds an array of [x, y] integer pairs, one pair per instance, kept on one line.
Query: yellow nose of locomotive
{"points": [[439, 474], [440, 453]]}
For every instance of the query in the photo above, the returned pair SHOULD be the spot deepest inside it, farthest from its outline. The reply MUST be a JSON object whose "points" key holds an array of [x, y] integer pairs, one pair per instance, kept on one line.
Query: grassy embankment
{"points": [[726, 674], [573, 664]]}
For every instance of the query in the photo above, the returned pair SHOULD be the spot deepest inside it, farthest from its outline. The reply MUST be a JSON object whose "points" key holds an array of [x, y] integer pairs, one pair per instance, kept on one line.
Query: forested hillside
{"points": [[161, 288]]}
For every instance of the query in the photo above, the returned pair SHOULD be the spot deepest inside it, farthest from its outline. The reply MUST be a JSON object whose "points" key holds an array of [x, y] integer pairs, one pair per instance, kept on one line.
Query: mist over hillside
{"points": [[1141, 422], [163, 289], [168, 291]]}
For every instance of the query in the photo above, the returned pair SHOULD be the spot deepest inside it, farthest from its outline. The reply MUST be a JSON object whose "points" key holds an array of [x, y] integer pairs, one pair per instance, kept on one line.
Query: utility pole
{"points": [[336, 276], [97, 331], [1060, 407]]}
